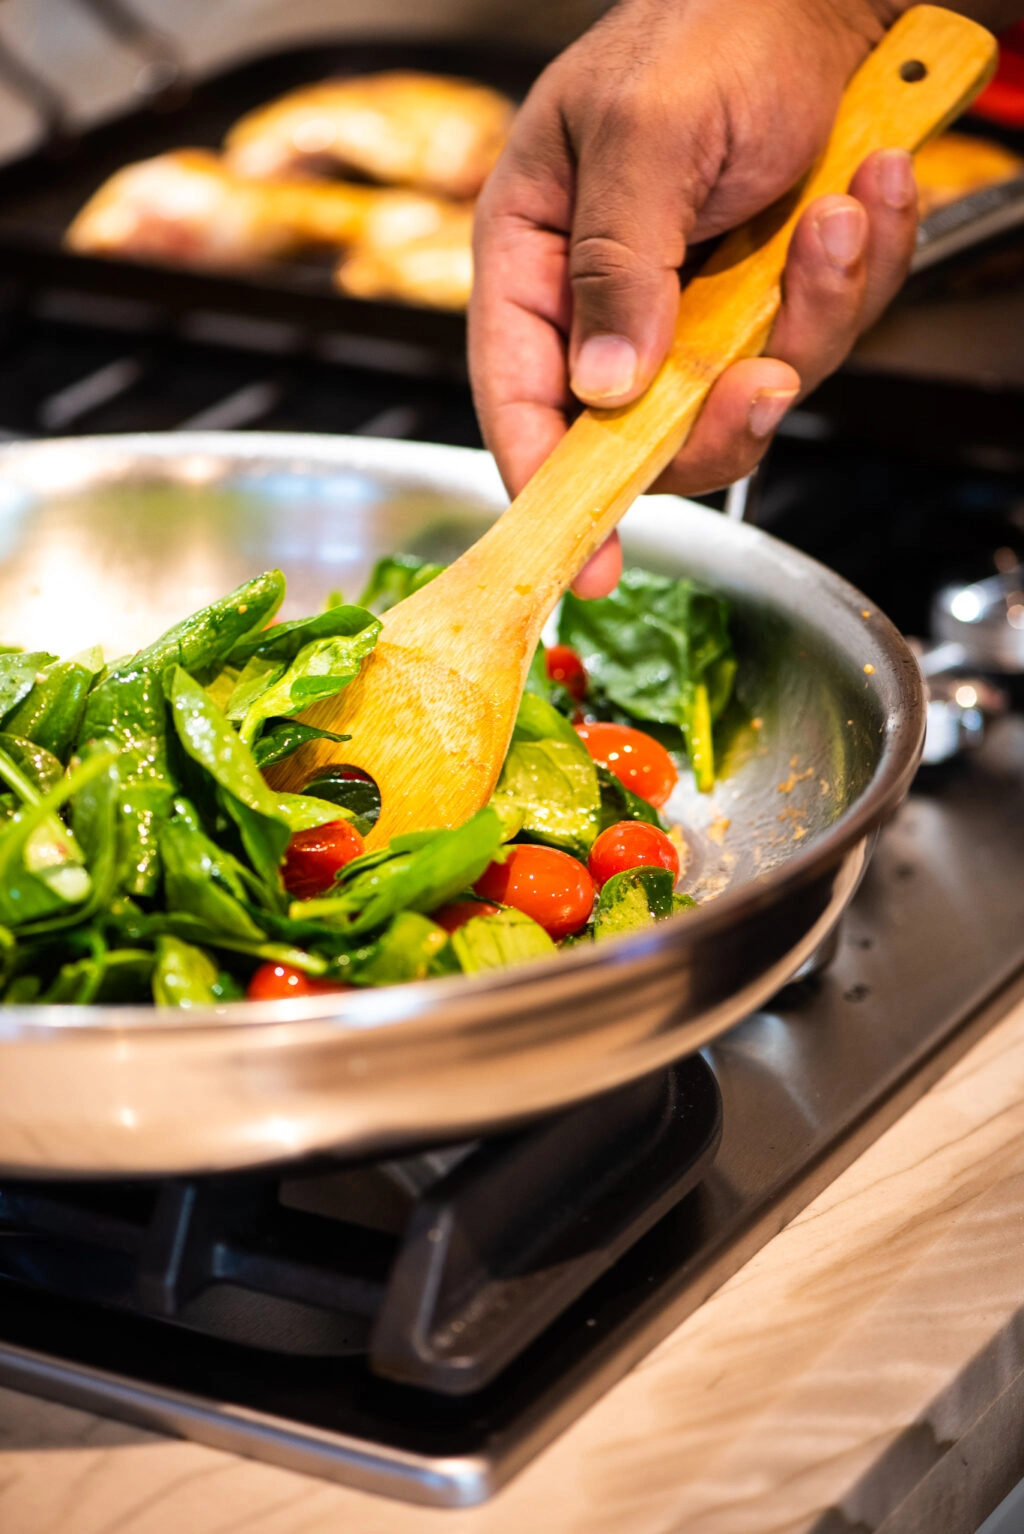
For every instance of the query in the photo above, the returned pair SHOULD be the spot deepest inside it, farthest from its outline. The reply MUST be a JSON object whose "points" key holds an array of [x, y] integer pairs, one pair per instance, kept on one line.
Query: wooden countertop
{"points": [[863, 1374]]}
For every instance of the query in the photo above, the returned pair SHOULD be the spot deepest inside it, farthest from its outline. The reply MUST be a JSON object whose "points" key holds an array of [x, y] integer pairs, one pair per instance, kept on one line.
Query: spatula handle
{"points": [[922, 75]]}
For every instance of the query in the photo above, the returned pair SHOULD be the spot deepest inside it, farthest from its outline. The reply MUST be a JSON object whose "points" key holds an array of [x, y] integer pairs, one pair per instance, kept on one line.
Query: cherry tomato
{"points": [[278, 982], [314, 857], [565, 666], [636, 759], [631, 844], [543, 883], [459, 912]]}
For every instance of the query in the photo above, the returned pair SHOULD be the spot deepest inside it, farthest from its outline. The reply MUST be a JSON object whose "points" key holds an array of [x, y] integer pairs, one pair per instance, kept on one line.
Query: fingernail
{"points": [[767, 409], [606, 368], [896, 178], [842, 233]]}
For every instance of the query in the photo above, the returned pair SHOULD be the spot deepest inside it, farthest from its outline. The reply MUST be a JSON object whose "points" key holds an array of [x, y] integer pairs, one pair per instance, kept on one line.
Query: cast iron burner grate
{"points": [[439, 1269]]}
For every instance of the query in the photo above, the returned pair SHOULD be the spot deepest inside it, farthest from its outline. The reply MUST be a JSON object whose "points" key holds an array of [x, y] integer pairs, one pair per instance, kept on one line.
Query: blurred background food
{"points": [[955, 164], [422, 145]]}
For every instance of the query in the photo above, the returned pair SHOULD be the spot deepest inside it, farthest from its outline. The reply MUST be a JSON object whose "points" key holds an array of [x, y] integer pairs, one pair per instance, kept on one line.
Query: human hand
{"points": [[644, 138]]}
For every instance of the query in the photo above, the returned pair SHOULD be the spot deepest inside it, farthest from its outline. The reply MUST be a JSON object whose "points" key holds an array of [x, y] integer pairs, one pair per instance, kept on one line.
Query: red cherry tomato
{"points": [[459, 912], [278, 982], [314, 857], [631, 844], [543, 883], [636, 759], [565, 666]]}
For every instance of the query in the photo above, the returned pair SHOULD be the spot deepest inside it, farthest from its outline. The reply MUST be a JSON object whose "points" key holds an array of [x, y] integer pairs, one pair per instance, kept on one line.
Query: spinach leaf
{"points": [[200, 879], [554, 787], [440, 867], [304, 811], [492, 942], [211, 742], [408, 949], [39, 766], [620, 803], [184, 976], [123, 974], [549, 780], [538, 719], [319, 671], [280, 737], [127, 709], [396, 577], [357, 797], [95, 813], [50, 853], [283, 642], [202, 642], [192, 929], [51, 715], [635, 899], [659, 649], [18, 674], [23, 896]]}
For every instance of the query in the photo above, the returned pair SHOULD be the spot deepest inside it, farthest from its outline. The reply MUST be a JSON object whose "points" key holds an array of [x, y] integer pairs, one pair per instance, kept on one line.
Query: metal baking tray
{"points": [[41, 192]]}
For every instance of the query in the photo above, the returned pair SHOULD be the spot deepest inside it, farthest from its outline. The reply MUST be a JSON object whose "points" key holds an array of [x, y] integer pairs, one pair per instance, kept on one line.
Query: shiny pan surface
{"points": [[114, 538]]}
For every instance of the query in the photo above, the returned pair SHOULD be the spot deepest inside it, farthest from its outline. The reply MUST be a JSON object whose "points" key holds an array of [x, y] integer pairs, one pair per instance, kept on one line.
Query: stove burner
{"points": [[441, 1268]]}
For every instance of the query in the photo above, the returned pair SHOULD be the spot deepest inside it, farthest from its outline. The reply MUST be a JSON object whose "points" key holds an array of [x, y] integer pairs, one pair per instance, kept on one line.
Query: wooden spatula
{"points": [[432, 713]]}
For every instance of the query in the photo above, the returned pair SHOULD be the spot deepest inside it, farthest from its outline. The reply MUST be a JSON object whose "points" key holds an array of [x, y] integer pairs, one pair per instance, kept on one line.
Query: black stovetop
{"points": [[260, 1313]]}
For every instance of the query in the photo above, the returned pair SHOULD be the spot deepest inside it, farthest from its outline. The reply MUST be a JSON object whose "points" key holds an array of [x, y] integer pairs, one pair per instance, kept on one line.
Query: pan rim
{"points": [[421, 1005]]}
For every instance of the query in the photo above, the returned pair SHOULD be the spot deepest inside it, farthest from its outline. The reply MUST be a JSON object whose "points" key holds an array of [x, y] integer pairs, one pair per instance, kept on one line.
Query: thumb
{"points": [[628, 242]]}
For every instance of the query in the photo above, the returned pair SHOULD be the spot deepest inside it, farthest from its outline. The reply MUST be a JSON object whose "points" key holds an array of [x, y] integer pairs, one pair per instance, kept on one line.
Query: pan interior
{"points": [[112, 541]]}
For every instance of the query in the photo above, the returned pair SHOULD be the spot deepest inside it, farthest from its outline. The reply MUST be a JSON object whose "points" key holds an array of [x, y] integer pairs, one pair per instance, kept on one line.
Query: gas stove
{"points": [[421, 1327]]}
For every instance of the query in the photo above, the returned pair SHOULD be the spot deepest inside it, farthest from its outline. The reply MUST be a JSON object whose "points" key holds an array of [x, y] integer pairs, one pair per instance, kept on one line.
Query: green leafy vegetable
{"points": [[18, 674], [492, 942], [635, 899], [268, 687], [280, 737], [396, 577], [659, 649], [51, 714], [620, 803], [210, 741], [419, 879], [303, 811], [184, 976], [409, 949], [203, 880], [151, 864], [358, 798], [39, 767]]}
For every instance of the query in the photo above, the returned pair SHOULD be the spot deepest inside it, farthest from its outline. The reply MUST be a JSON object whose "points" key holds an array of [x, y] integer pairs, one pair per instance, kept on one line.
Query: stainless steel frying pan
{"points": [[112, 539]]}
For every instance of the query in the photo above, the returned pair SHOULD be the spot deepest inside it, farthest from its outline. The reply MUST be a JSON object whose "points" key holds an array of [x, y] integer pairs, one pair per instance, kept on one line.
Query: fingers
{"points": [[600, 574], [518, 325], [847, 260], [846, 263], [735, 427], [628, 242]]}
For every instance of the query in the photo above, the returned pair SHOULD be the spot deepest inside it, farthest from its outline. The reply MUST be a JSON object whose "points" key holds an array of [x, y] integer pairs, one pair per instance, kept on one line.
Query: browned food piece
{"points": [[436, 269], [954, 165], [188, 208], [399, 127]]}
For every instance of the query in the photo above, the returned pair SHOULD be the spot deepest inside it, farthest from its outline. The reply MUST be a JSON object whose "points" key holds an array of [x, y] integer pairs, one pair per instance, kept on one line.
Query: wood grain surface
{"points": [[863, 1374]]}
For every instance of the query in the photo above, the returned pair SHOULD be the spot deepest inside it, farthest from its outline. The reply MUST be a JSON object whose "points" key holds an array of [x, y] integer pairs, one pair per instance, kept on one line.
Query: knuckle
{"points": [[605, 260]]}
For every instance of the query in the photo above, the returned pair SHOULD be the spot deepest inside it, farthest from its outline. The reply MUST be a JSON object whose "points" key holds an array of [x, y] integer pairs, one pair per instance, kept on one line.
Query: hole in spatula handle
{"points": [[913, 71]]}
